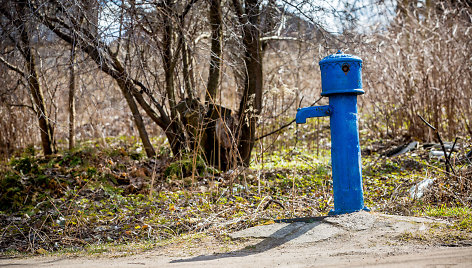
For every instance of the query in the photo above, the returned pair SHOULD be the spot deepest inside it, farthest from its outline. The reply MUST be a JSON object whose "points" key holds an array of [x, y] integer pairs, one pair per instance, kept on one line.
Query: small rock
{"points": [[61, 221], [422, 227]]}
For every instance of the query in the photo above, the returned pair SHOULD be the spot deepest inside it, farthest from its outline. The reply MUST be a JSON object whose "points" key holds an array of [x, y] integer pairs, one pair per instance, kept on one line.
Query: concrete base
{"points": [[339, 212], [329, 227], [293, 233]]}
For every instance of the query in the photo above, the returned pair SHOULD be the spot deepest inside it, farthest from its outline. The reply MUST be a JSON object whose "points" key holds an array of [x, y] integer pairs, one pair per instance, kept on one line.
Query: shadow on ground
{"points": [[29, 264], [292, 230]]}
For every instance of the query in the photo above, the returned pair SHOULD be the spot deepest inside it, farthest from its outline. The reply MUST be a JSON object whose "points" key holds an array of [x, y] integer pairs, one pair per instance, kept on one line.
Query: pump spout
{"points": [[309, 112]]}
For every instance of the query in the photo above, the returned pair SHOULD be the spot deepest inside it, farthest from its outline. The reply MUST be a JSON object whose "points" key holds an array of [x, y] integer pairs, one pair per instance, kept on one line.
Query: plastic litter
{"points": [[436, 154], [417, 191]]}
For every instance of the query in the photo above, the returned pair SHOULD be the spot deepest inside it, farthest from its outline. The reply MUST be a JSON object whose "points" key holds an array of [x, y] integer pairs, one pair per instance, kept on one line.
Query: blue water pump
{"points": [[341, 82]]}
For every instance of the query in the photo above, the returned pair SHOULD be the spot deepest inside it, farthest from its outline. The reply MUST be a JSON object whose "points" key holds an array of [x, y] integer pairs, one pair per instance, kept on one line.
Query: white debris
{"points": [[422, 227], [417, 191], [410, 147], [436, 154]]}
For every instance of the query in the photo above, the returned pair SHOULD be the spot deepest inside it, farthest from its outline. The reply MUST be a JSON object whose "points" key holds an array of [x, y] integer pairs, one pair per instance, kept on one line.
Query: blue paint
{"points": [[309, 112], [345, 154], [335, 80], [341, 80]]}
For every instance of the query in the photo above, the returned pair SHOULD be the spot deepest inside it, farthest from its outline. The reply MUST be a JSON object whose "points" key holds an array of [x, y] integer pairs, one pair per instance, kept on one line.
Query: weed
{"points": [[90, 199], [461, 216]]}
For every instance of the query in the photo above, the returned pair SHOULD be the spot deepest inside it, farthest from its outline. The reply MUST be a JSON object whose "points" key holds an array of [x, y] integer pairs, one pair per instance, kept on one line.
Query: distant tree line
{"points": [[151, 51]]}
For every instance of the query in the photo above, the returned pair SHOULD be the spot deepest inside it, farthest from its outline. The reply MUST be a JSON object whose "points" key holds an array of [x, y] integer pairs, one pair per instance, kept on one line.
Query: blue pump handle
{"points": [[309, 112]]}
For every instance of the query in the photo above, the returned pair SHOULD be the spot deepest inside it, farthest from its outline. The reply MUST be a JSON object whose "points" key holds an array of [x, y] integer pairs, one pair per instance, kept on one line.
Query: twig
{"points": [[448, 163], [153, 178], [277, 130], [288, 124], [256, 213], [426, 122], [453, 145], [275, 202], [262, 201]]}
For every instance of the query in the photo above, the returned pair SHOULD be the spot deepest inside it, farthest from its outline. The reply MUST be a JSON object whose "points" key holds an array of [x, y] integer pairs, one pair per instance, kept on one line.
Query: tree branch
{"points": [[239, 11], [23, 106], [187, 9], [288, 124], [448, 162], [281, 38], [11, 66]]}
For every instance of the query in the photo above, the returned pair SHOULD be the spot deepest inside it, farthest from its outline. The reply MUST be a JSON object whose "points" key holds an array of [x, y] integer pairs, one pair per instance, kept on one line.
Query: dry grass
{"points": [[421, 66], [418, 65]]}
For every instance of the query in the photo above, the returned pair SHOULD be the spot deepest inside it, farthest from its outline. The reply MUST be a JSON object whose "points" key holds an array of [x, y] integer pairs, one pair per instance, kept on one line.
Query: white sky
{"points": [[327, 13], [331, 13]]}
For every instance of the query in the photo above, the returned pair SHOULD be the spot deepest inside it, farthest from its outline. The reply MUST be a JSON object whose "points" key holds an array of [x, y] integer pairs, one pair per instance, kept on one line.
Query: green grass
{"points": [[300, 159], [81, 200], [461, 216]]}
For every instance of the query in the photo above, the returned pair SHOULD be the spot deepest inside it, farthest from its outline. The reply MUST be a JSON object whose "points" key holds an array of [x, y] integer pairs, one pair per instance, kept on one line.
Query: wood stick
{"points": [[448, 163]]}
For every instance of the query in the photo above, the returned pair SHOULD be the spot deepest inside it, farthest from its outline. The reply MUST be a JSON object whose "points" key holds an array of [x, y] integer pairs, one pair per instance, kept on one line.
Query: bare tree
{"points": [[71, 101], [171, 41], [251, 100], [20, 31], [173, 66]]}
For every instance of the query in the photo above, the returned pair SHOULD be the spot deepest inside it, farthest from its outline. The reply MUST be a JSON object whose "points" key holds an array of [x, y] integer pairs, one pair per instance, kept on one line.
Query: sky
{"points": [[330, 14]]}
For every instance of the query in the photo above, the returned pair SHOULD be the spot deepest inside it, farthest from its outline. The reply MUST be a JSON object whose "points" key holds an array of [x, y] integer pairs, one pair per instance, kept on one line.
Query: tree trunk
{"points": [[138, 120], [37, 94], [175, 128], [72, 98], [186, 72], [127, 89], [168, 59], [251, 102], [215, 58]]}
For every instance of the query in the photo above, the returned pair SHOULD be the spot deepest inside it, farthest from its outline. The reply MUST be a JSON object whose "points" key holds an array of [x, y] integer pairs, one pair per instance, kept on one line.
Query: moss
{"points": [[25, 165], [11, 192], [185, 167], [460, 215]]}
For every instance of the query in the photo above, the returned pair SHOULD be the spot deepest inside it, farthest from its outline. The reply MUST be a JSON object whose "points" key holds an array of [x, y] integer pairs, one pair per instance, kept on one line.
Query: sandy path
{"points": [[439, 257], [355, 240]]}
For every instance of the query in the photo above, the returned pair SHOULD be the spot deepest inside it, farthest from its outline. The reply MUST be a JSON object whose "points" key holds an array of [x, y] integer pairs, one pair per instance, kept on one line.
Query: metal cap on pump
{"points": [[341, 73]]}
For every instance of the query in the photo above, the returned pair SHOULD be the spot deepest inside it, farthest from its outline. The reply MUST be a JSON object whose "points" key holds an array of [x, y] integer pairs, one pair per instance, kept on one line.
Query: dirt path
{"points": [[306, 257], [355, 240]]}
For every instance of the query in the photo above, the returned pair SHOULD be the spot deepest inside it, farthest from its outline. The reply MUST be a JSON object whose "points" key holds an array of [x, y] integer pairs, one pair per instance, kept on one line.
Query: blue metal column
{"points": [[345, 154], [341, 82]]}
